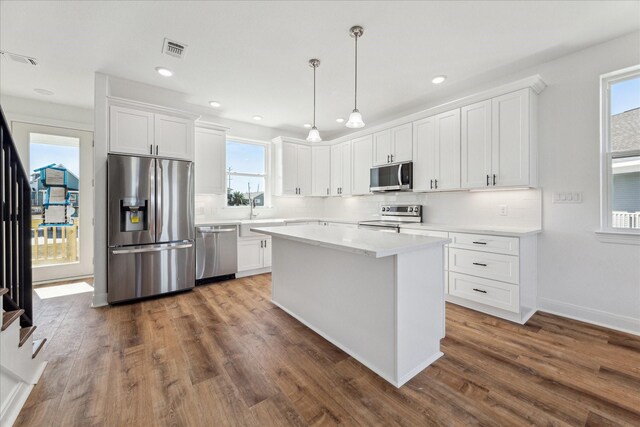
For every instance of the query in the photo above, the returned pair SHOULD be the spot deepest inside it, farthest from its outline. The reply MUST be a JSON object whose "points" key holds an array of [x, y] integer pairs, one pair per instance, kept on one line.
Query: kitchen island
{"points": [[377, 296]]}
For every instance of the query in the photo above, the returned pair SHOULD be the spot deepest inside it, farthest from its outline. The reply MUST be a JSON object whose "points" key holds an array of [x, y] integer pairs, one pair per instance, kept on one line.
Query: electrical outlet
{"points": [[503, 210], [567, 197]]}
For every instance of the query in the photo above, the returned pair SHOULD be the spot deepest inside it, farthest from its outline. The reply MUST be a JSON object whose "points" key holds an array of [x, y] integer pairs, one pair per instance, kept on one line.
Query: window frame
{"points": [[266, 175], [607, 232]]}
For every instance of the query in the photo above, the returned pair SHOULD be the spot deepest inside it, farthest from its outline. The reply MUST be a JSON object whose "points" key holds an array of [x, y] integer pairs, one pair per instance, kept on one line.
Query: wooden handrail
{"points": [[16, 222]]}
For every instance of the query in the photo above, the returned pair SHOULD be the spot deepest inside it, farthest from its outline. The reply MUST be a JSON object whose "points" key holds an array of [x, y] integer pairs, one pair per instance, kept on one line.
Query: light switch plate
{"points": [[567, 197]]}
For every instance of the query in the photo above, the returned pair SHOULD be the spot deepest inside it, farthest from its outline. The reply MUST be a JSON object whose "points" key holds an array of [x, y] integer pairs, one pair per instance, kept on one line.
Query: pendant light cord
{"points": [[314, 96], [355, 102]]}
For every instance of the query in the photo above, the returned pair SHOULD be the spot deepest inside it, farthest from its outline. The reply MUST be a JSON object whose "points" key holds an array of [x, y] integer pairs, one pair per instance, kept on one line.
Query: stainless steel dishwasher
{"points": [[216, 252]]}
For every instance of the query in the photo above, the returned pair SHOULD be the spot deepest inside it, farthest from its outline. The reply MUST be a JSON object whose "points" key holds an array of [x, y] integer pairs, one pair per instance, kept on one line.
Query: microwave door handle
{"points": [[400, 174]]}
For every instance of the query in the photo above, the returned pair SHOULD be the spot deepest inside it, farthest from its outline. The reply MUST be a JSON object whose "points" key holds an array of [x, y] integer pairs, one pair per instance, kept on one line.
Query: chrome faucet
{"points": [[252, 203]]}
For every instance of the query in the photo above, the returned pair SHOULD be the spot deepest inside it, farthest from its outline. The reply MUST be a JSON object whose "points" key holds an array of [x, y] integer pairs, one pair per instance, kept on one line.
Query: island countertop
{"points": [[372, 243]]}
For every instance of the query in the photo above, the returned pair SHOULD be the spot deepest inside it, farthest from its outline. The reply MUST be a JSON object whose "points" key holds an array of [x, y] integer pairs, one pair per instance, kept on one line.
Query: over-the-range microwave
{"points": [[393, 177]]}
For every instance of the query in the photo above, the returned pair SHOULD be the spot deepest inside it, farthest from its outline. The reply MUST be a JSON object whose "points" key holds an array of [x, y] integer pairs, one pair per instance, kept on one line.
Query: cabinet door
{"points": [[447, 166], [336, 169], [346, 168], [382, 147], [130, 131], [174, 137], [362, 151], [424, 154], [289, 169], [250, 254], [510, 139], [266, 253], [476, 144], [321, 171], [402, 143], [304, 170], [210, 161]]}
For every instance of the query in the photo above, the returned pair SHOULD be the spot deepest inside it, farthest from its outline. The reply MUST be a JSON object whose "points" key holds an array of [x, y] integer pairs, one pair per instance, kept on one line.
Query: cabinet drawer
{"points": [[489, 292], [485, 243], [483, 264]]}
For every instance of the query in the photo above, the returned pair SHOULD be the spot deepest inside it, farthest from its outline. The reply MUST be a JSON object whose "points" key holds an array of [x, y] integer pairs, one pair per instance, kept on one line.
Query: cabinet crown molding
{"points": [[211, 126], [124, 102]]}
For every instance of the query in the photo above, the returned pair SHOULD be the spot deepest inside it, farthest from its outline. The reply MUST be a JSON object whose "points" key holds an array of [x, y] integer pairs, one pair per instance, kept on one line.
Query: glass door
{"points": [[60, 163]]}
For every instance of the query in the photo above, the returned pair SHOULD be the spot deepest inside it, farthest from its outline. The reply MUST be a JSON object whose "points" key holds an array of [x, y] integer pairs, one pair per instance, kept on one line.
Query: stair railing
{"points": [[15, 249]]}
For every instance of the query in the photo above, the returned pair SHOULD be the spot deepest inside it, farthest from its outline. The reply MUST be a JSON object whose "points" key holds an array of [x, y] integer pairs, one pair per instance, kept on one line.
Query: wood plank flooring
{"points": [[223, 355]]}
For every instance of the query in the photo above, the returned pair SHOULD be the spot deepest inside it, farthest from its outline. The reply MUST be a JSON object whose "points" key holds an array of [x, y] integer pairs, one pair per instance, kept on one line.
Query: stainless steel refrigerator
{"points": [[151, 247]]}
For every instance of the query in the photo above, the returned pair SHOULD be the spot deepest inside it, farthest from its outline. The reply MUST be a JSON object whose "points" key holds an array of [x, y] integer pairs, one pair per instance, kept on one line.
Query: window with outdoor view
{"points": [[621, 150], [246, 173]]}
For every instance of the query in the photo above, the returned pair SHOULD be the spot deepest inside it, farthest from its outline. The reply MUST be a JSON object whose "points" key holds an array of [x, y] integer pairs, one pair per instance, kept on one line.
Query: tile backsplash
{"points": [[523, 207]]}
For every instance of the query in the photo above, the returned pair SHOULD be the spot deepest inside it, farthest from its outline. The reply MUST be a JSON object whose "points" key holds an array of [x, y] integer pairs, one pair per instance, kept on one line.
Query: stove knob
{"points": [[410, 208]]}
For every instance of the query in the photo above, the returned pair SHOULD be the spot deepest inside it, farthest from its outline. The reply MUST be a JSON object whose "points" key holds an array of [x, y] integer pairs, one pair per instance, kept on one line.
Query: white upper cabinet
{"points": [[341, 169], [476, 145], [144, 132], [510, 140], [321, 171], [130, 131], [393, 145], [436, 152], [174, 137], [304, 166], [293, 169], [497, 142], [210, 155], [362, 151]]}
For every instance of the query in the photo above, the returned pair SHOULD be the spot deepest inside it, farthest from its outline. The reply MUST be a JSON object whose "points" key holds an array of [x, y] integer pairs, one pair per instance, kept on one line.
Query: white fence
{"points": [[625, 219]]}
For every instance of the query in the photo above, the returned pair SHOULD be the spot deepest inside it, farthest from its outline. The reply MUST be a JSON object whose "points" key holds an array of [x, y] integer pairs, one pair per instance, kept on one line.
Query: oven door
{"points": [[382, 228], [396, 177]]}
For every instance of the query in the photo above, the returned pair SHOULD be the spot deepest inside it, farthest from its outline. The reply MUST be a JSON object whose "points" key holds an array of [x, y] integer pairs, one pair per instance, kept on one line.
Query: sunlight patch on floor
{"points": [[63, 290]]}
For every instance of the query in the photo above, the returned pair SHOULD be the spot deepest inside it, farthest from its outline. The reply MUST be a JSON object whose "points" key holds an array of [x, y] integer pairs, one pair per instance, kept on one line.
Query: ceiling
{"points": [[252, 56]]}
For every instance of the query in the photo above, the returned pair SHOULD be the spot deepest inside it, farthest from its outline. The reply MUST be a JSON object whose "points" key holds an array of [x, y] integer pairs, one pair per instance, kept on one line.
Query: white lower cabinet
{"points": [[494, 274], [434, 233], [254, 253]]}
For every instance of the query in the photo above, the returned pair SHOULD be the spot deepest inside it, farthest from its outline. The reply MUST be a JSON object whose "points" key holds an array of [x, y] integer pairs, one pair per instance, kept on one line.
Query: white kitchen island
{"points": [[377, 296]]}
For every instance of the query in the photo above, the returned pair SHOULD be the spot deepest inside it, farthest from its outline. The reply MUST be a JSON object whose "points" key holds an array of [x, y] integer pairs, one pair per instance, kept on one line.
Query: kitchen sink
{"points": [[247, 225]]}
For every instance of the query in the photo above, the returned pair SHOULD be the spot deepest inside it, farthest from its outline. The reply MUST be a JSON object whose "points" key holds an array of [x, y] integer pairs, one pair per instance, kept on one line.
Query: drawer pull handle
{"points": [[479, 243], [480, 264], [480, 290]]}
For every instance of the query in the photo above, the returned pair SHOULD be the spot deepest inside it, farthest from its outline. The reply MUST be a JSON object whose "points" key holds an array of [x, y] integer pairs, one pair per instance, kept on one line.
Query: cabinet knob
{"points": [[388, 159], [431, 184], [487, 180], [494, 179], [436, 183], [392, 158]]}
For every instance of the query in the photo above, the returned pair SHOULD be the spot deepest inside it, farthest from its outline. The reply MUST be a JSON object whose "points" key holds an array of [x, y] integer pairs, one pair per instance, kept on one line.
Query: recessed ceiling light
{"points": [[438, 79], [43, 92], [307, 125], [165, 72], [340, 120], [257, 117], [215, 104]]}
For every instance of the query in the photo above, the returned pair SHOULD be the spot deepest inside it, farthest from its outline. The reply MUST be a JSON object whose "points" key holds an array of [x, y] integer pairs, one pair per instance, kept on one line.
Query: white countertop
{"points": [[366, 242], [492, 230], [477, 229]]}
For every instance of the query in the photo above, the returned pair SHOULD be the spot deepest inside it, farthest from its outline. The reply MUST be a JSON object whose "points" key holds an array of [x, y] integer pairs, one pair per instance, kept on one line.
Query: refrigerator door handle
{"points": [[158, 248], [159, 214], [219, 230]]}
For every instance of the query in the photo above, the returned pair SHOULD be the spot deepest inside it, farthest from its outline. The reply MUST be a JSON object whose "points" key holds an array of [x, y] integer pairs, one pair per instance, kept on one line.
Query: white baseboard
{"points": [[99, 300], [248, 273], [19, 396], [589, 315]]}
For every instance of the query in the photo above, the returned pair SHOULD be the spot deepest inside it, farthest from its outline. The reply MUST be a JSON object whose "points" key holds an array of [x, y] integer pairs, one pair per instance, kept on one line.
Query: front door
{"points": [[60, 163]]}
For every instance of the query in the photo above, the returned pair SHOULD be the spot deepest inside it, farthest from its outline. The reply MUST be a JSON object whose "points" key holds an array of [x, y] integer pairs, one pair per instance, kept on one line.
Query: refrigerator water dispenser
{"points": [[133, 214]]}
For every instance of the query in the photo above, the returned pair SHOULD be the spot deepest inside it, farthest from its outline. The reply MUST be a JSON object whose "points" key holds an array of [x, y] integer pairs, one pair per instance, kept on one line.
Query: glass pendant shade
{"points": [[314, 135], [355, 120]]}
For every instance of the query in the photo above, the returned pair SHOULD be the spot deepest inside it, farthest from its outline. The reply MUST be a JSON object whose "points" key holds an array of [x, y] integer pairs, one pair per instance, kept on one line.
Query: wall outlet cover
{"points": [[504, 210]]}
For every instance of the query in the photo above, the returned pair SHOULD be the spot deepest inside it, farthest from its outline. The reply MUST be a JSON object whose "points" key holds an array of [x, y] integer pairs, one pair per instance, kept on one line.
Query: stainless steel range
{"points": [[392, 216]]}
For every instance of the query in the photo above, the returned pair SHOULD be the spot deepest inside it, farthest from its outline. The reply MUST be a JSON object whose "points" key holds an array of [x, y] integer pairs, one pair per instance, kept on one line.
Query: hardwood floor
{"points": [[224, 355]]}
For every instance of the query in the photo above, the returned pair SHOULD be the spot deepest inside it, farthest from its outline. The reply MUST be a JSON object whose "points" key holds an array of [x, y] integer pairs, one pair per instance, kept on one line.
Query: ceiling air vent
{"points": [[174, 49], [19, 58]]}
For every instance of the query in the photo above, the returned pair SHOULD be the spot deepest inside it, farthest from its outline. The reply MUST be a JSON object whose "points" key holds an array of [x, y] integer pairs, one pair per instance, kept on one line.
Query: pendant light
{"points": [[314, 135], [355, 118]]}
